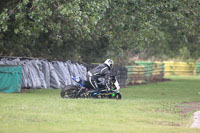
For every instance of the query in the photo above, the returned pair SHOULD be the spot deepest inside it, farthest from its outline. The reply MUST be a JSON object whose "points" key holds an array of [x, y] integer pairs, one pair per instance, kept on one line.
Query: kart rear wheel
{"points": [[70, 91]]}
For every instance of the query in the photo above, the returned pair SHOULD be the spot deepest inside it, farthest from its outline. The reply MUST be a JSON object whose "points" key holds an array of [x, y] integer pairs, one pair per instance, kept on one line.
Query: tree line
{"points": [[92, 30]]}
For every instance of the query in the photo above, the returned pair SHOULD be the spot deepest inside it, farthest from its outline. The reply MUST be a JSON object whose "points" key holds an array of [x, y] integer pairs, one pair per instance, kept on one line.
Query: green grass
{"points": [[152, 108]]}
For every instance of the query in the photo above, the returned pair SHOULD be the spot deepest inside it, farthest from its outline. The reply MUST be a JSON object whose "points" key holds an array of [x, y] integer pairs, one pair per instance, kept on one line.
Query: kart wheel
{"points": [[69, 91], [118, 96]]}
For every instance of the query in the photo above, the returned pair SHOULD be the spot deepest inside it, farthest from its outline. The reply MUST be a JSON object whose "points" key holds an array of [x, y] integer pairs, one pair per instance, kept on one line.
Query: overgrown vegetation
{"points": [[147, 108], [89, 30]]}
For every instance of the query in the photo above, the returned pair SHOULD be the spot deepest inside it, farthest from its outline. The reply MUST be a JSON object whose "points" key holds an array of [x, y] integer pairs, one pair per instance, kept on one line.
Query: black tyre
{"points": [[69, 91], [118, 96]]}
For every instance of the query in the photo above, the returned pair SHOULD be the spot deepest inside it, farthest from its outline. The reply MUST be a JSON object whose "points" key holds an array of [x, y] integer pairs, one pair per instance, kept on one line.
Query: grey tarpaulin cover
{"points": [[40, 73]]}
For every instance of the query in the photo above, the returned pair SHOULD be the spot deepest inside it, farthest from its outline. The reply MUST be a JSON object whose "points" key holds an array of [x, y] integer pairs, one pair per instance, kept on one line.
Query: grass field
{"points": [[152, 108]]}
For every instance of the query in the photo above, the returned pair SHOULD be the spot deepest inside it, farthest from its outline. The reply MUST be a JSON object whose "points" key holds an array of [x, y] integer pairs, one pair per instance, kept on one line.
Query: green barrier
{"points": [[144, 72], [198, 68], [161, 66], [10, 78], [136, 74], [135, 69], [148, 68]]}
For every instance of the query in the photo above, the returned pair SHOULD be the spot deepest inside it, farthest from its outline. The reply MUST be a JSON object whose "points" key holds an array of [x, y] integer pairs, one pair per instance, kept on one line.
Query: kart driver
{"points": [[100, 74]]}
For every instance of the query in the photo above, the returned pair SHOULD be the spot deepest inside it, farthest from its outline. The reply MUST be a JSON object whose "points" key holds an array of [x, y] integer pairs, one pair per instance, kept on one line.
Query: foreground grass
{"points": [[152, 108]]}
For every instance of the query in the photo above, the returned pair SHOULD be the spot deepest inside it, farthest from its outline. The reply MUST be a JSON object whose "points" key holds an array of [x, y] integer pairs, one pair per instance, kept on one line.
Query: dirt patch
{"points": [[144, 82], [189, 107], [26, 90], [162, 123], [167, 123]]}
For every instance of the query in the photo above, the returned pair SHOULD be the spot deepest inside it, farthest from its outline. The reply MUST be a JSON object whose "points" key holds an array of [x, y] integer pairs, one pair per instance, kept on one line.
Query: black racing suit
{"points": [[98, 75]]}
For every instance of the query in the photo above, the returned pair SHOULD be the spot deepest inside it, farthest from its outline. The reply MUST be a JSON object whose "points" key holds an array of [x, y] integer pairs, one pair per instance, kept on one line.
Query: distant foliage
{"points": [[91, 30]]}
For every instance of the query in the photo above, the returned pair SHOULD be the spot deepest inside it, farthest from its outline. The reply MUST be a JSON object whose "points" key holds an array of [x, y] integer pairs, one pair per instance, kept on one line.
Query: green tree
{"points": [[92, 30]]}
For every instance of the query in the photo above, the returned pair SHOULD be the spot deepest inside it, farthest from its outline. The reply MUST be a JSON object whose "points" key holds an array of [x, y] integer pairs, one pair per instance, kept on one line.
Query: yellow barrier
{"points": [[154, 71], [180, 68]]}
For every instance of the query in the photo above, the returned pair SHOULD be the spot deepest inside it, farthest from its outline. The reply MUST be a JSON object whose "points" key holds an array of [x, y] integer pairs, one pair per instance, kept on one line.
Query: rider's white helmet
{"points": [[109, 63]]}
